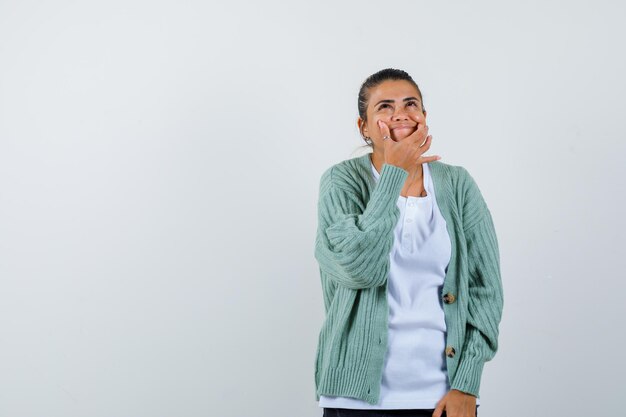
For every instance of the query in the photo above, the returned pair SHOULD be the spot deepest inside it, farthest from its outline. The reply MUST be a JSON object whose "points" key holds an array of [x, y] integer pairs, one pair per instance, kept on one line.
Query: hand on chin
{"points": [[399, 134]]}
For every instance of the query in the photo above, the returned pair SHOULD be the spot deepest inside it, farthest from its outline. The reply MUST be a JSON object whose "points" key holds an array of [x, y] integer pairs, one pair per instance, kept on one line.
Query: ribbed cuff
{"points": [[386, 192], [467, 376]]}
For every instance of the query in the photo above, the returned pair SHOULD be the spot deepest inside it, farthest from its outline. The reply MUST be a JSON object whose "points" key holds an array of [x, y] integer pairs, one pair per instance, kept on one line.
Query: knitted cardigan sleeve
{"points": [[485, 290], [353, 243]]}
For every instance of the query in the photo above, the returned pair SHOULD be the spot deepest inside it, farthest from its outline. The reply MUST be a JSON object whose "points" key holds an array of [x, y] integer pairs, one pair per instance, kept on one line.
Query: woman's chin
{"points": [[400, 135]]}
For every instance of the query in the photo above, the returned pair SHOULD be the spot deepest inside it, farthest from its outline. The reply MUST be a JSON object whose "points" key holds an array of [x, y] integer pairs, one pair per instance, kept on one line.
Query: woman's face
{"points": [[397, 103]]}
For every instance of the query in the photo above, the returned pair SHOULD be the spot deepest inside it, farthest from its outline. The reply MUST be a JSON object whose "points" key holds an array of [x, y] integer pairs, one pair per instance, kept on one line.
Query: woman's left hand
{"points": [[456, 404]]}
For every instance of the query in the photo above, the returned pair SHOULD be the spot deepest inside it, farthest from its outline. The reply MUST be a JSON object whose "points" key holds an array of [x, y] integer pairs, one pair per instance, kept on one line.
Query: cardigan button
{"points": [[449, 298], [450, 352]]}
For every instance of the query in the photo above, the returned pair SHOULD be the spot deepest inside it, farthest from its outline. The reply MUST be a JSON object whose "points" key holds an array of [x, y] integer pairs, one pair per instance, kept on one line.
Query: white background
{"points": [[159, 170]]}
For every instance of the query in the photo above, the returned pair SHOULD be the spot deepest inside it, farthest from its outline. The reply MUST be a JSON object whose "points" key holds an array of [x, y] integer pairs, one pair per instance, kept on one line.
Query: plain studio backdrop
{"points": [[159, 173]]}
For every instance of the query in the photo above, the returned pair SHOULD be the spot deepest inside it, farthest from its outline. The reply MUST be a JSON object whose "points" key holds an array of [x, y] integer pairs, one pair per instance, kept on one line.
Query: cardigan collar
{"points": [[439, 172]]}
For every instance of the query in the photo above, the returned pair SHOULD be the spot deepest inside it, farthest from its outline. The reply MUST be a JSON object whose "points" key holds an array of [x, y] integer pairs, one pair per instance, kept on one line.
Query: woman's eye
{"points": [[383, 106], [412, 103]]}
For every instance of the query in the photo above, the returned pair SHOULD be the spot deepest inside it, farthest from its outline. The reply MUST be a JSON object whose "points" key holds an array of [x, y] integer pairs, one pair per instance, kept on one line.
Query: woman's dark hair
{"points": [[375, 79]]}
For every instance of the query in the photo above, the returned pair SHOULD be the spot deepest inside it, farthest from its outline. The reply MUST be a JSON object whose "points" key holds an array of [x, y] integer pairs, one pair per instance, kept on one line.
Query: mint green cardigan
{"points": [[356, 219]]}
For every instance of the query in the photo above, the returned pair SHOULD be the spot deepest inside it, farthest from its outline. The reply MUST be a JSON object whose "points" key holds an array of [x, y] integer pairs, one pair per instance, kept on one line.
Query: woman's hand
{"points": [[457, 404], [407, 152]]}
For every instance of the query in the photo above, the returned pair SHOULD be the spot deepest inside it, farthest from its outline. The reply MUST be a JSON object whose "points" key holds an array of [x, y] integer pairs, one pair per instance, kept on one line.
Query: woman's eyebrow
{"points": [[391, 101]]}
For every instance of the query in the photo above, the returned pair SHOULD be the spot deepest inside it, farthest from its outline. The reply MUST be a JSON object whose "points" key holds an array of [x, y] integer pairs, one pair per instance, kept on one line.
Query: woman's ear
{"points": [[362, 127]]}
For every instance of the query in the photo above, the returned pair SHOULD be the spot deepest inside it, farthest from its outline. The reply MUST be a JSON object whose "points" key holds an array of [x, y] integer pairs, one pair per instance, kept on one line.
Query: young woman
{"points": [[410, 270]]}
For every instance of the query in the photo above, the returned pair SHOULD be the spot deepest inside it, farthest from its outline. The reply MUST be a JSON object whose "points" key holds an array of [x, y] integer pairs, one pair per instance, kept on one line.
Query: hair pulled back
{"points": [[376, 79]]}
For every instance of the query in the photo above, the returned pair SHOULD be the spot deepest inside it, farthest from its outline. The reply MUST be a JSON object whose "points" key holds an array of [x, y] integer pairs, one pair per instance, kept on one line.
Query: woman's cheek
{"points": [[417, 118], [376, 125]]}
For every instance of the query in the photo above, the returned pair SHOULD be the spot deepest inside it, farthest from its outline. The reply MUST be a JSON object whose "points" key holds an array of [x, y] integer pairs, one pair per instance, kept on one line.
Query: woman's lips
{"points": [[401, 132], [402, 127]]}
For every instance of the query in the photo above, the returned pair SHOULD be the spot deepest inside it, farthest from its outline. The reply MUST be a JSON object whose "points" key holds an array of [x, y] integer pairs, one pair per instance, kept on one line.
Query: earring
{"points": [[368, 140]]}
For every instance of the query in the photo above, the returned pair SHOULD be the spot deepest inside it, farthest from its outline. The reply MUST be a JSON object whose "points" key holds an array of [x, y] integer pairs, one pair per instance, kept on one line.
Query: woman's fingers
{"points": [[427, 142], [420, 135], [421, 149], [384, 129], [424, 148], [429, 158]]}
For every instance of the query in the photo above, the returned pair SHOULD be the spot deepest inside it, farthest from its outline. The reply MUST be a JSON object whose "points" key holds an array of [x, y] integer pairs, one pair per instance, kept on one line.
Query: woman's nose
{"points": [[400, 114]]}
